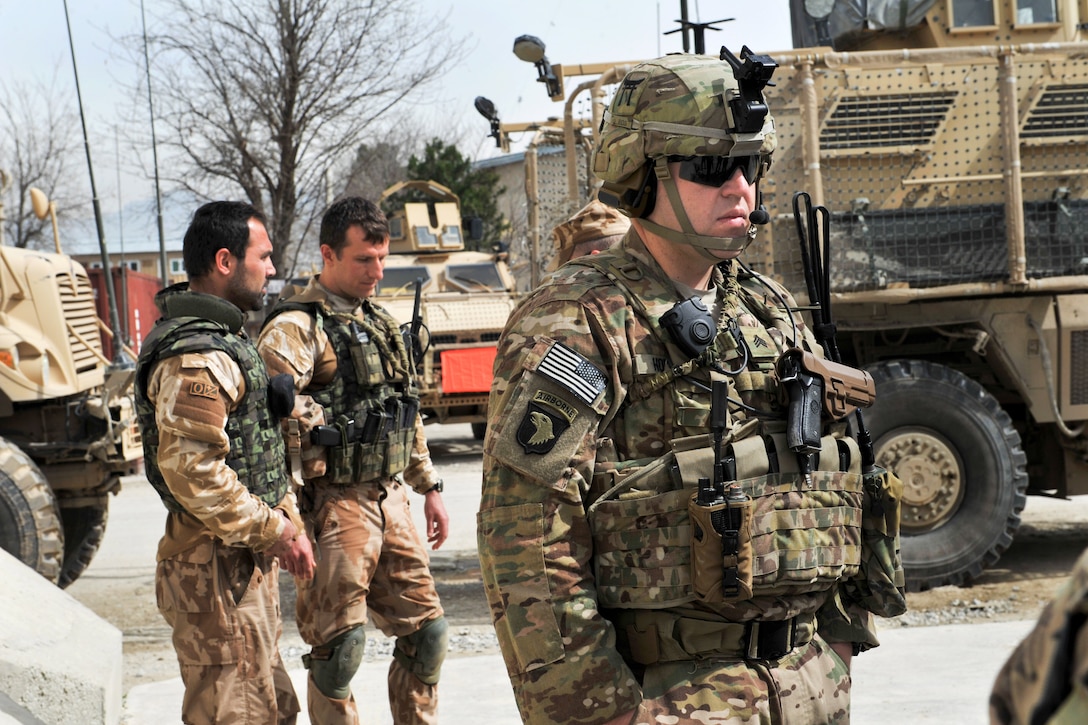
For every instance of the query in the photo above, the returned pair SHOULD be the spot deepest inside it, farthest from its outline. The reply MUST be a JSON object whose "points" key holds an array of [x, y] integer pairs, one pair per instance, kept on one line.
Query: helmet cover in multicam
{"points": [[593, 224], [677, 105]]}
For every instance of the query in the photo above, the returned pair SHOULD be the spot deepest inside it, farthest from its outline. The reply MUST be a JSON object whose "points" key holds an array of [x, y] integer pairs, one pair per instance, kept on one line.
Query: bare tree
{"points": [[38, 147], [267, 98], [382, 160]]}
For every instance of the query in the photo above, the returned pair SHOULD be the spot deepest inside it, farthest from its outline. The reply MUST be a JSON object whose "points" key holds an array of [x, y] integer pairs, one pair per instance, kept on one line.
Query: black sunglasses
{"points": [[716, 170]]}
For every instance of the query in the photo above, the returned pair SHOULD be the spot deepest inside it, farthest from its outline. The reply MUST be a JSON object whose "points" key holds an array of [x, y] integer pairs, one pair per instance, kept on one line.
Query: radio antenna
{"points": [[120, 358]]}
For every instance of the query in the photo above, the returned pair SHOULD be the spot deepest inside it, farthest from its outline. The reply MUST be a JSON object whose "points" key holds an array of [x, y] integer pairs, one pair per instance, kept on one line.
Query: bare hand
{"points": [[438, 521], [294, 551]]}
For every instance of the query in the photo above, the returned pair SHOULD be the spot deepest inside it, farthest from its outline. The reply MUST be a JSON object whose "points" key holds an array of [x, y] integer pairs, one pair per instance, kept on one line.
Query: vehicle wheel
{"points": [[962, 467], [479, 430], [84, 529], [29, 523]]}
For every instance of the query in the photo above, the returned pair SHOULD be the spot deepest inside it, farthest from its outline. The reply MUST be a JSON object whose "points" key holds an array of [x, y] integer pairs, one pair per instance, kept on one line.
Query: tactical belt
{"points": [[646, 635]]}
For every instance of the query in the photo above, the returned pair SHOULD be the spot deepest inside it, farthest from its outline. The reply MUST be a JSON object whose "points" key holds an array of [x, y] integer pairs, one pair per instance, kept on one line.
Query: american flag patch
{"points": [[573, 372]]}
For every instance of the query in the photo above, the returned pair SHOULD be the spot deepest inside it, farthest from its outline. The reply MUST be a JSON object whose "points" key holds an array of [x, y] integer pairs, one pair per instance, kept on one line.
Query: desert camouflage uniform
{"points": [[1045, 680], [214, 585], [584, 394], [368, 553]]}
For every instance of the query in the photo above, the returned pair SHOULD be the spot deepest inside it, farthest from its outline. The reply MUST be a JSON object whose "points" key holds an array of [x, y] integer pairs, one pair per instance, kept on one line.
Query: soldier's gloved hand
{"points": [[294, 551]]}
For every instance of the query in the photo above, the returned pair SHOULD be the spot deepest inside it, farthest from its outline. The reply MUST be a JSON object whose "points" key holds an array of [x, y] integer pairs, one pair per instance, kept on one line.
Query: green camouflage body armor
{"points": [[798, 536], [371, 399], [203, 324]]}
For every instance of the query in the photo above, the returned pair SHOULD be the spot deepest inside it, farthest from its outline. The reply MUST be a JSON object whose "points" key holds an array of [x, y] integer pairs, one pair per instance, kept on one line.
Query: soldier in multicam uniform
{"points": [[361, 446], [214, 452], [592, 536], [593, 228], [1045, 679]]}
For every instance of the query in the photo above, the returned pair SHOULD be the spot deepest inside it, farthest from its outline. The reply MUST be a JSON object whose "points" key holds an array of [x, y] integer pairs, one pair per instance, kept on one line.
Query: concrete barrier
{"points": [[59, 662]]}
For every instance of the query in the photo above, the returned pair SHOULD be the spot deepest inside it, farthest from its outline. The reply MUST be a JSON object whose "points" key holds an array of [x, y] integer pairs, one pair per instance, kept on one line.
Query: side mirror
{"points": [[40, 202]]}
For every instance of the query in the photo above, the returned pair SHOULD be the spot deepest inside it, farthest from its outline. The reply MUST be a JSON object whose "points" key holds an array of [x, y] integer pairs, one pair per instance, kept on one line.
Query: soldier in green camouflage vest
{"points": [[1045, 679], [213, 450], [357, 428], [650, 557]]}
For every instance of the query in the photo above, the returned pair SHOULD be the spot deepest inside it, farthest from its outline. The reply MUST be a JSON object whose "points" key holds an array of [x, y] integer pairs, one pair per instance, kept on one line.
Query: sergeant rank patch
{"points": [[546, 418]]}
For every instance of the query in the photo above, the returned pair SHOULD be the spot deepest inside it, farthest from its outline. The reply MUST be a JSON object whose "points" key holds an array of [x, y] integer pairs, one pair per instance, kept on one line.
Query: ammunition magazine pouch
{"points": [[651, 637], [375, 444], [803, 533], [880, 583]]}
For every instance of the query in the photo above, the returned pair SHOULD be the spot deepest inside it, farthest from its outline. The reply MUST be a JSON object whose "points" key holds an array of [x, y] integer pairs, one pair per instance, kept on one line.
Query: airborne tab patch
{"points": [[546, 418], [203, 389], [573, 372]]}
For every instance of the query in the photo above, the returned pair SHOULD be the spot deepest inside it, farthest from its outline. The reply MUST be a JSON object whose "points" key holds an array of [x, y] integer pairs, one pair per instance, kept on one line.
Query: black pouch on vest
{"points": [[341, 457]]}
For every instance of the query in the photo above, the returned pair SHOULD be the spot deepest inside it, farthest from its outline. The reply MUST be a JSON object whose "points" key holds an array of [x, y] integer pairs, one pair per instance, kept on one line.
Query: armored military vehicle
{"points": [[67, 420], [466, 298], [949, 141]]}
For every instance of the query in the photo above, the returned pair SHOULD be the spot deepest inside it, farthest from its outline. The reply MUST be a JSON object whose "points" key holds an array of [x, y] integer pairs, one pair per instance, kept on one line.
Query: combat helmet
{"points": [[684, 105]]}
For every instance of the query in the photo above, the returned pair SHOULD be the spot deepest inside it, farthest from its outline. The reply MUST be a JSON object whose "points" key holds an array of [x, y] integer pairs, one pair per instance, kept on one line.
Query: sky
{"points": [[34, 48]]}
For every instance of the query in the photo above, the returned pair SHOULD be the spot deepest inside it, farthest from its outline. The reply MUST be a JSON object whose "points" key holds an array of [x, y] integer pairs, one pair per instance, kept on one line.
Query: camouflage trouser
{"points": [[223, 605], [809, 686], [369, 556]]}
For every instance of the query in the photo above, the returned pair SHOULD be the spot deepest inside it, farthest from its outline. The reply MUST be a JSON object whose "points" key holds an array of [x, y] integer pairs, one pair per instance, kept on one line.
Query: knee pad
{"points": [[428, 645], [334, 663]]}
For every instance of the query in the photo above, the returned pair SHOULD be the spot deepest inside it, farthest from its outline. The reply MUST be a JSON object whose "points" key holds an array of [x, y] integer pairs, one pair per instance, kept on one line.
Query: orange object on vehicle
{"points": [[467, 370]]}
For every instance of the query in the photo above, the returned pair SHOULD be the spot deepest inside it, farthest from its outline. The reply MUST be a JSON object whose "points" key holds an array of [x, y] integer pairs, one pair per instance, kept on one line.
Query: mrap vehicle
{"points": [[466, 298], [948, 140], [67, 416]]}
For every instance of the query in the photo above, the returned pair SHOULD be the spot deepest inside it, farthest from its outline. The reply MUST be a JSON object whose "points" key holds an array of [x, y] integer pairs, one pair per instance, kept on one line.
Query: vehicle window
{"points": [[477, 277], [396, 228], [451, 236], [401, 280], [971, 13], [1029, 12], [425, 238]]}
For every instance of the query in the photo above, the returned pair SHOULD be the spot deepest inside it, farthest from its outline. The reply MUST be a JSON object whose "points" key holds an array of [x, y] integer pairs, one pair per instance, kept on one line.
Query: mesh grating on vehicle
{"points": [[1061, 111], [883, 121], [79, 312], [930, 247], [1078, 370]]}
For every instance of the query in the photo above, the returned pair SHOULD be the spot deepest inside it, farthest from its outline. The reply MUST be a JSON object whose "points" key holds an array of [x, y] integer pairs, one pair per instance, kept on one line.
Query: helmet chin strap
{"points": [[705, 245]]}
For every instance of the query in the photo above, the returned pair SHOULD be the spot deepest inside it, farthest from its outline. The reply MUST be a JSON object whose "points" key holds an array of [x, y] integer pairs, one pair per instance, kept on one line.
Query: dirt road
{"points": [[119, 584]]}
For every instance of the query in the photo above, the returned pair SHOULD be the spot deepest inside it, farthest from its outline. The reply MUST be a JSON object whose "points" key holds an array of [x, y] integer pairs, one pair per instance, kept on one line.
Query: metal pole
{"points": [[154, 157], [120, 359], [1014, 185]]}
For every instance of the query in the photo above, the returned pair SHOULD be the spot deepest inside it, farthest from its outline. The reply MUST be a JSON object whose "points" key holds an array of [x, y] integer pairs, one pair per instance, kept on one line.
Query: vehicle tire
{"points": [[84, 529], [479, 430], [30, 528], [962, 467]]}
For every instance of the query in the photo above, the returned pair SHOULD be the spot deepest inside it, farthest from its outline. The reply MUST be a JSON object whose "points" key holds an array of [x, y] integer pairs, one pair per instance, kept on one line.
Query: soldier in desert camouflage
{"points": [[214, 452], [608, 604], [361, 446], [1045, 679]]}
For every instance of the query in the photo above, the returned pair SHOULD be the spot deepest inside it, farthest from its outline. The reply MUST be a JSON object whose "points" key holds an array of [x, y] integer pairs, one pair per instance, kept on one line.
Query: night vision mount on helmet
{"points": [[683, 106]]}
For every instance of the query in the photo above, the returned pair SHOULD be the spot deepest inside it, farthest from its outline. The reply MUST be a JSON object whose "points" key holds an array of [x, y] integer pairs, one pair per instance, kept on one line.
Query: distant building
{"points": [[143, 259], [547, 191]]}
